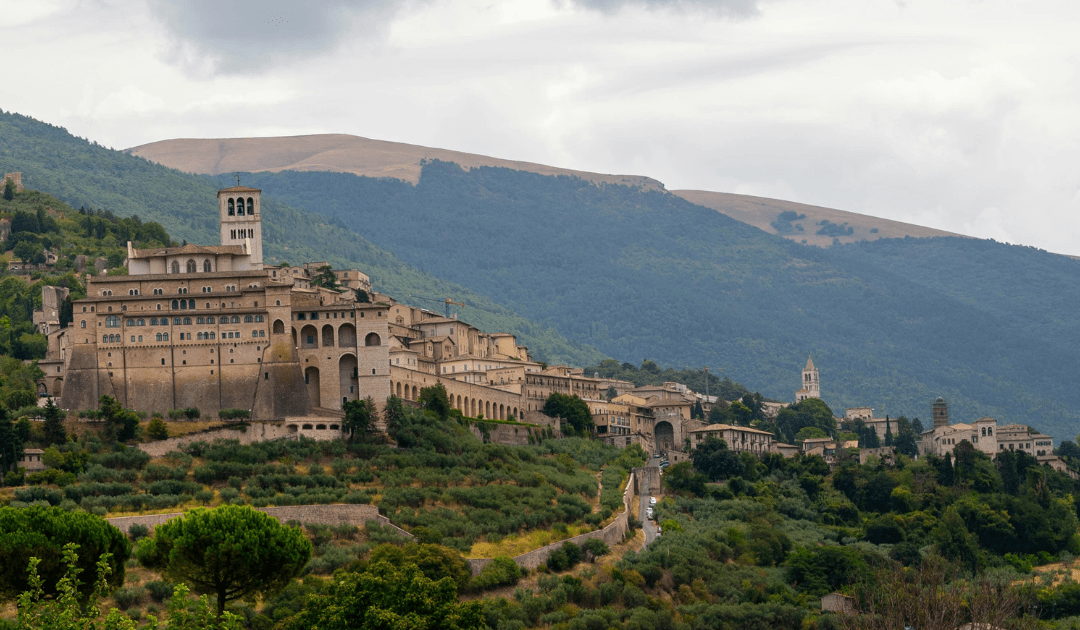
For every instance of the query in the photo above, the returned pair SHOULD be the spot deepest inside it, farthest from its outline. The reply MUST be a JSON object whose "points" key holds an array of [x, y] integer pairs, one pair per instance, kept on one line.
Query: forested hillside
{"points": [[650, 275], [83, 173]]}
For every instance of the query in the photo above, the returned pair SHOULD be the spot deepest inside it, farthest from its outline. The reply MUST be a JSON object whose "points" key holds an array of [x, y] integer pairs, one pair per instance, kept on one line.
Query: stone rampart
{"points": [[612, 535], [347, 514], [509, 434]]}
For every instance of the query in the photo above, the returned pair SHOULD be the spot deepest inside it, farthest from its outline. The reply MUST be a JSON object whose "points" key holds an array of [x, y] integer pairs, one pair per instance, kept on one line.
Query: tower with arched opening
{"points": [[241, 220]]}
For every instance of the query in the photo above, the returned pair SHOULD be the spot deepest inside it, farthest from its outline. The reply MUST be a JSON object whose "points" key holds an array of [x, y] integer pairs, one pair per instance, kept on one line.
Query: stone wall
{"points": [[350, 514], [510, 434], [612, 535], [256, 432], [650, 474]]}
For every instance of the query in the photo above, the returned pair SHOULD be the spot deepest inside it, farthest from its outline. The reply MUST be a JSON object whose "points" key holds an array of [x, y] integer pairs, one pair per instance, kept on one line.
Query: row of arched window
{"points": [[192, 266], [114, 322], [236, 208]]}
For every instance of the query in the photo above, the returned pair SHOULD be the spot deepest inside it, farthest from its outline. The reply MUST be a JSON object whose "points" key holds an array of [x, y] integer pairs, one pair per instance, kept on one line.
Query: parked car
{"points": [[648, 513], [652, 500]]}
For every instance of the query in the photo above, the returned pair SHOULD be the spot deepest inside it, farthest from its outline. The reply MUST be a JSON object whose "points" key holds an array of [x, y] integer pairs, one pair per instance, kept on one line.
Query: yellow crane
{"points": [[447, 302]]}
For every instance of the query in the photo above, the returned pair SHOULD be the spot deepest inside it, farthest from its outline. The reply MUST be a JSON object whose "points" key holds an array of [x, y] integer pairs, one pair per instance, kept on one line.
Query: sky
{"points": [[955, 114]]}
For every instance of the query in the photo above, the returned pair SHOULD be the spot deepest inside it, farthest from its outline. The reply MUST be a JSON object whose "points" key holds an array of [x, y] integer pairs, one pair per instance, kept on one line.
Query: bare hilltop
{"points": [[345, 153]]}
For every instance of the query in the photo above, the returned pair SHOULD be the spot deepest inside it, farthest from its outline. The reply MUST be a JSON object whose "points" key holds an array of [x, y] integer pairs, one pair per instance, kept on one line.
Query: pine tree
{"points": [[54, 423], [888, 432]]}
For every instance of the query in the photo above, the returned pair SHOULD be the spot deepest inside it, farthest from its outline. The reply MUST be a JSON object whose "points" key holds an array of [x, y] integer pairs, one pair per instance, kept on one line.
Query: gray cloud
{"points": [[245, 36], [726, 8]]}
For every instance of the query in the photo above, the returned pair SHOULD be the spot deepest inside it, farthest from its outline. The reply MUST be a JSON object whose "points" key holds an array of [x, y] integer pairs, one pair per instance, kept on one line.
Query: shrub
{"points": [[157, 430], [124, 457], [595, 548], [234, 414], [502, 571], [229, 494], [128, 597], [159, 590], [137, 531]]}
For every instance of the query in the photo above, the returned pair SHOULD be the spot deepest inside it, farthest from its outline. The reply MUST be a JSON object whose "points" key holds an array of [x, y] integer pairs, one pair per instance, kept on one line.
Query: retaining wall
{"points": [[342, 514], [256, 432], [612, 535]]}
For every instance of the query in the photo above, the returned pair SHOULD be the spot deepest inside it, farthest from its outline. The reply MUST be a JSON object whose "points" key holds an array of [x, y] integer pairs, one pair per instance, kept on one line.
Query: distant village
{"points": [[214, 328]]}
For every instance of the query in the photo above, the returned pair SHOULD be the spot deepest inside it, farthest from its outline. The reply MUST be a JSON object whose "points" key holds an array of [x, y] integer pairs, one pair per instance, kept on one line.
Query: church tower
{"points": [[241, 220], [941, 412], [811, 383]]}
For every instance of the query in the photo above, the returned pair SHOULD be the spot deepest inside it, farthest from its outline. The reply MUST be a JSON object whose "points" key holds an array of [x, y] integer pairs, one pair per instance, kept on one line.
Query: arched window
{"points": [[191, 304], [164, 336], [240, 207], [175, 267], [254, 333], [258, 318], [210, 320], [251, 206], [279, 327], [201, 320], [248, 319], [187, 321], [372, 340], [176, 304], [140, 322], [112, 321], [206, 266], [83, 324], [262, 333], [213, 335], [131, 322], [191, 267], [232, 208], [104, 339], [158, 337], [235, 319], [198, 336], [183, 305], [153, 321]]}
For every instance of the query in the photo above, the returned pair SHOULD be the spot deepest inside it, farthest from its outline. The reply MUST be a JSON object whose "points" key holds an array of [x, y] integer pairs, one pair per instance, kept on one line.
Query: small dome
{"points": [[940, 399]]}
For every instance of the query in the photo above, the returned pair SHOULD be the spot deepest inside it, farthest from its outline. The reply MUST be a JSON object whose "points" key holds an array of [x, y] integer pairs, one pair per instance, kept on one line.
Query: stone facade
{"points": [[206, 327]]}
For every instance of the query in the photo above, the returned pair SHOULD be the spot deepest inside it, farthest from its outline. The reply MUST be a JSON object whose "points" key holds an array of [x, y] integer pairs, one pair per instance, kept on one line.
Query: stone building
{"points": [[811, 382], [208, 327], [738, 439]]}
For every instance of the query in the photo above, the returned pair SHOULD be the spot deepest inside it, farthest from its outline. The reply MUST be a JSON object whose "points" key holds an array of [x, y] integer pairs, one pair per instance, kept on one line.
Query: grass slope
{"points": [[83, 173], [648, 274]]}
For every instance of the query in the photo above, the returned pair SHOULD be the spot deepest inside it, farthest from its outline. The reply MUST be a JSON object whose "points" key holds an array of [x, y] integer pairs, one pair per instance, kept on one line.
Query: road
{"points": [[647, 525]]}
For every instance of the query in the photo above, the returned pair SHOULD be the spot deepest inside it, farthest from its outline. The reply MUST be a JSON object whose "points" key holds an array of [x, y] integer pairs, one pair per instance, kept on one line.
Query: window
{"points": [[206, 266], [140, 322], [164, 336], [157, 291], [83, 325], [198, 336], [210, 320], [201, 320], [262, 333], [213, 335], [314, 316], [235, 319], [187, 321], [176, 304], [248, 319], [158, 338], [232, 208], [112, 321], [153, 321], [258, 318], [131, 322], [251, 206], [176, 321], [175, 267]]}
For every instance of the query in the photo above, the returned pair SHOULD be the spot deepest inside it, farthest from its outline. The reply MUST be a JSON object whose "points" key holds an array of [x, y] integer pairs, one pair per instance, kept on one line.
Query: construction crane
{"points": [[446, 301]]}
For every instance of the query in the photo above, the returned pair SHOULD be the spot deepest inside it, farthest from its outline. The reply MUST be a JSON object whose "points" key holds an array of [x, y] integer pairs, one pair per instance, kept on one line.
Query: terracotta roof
{"points": [[809, 363], [235, 250], [237, 189]]}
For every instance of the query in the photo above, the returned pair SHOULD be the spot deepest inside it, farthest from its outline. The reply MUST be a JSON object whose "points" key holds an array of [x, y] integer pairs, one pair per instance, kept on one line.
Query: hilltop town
{"points": [[216, 329]]}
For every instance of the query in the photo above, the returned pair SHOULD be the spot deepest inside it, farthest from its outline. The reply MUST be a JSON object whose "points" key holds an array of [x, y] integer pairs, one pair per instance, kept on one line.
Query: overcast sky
{"points": [[956, 114]]}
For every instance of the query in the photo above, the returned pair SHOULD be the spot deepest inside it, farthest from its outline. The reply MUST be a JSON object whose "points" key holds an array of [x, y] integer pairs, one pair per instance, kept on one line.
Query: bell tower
{"points": [[241, 220], [941, 412], [811, 381]]}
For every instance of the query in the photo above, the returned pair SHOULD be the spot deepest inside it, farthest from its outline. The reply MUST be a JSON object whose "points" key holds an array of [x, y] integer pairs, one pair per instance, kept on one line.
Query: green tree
{"points": [[360, 417], [435, 400], [573, 410], [434, 561], [9, 190], [393, 413], [231, 552], [53, 427], [157, 429], [387, 597], [683, 478], [42, 533], [713, 458], [812, 412], [120, 424], [324, 277], [11, 444], [697, 411]]}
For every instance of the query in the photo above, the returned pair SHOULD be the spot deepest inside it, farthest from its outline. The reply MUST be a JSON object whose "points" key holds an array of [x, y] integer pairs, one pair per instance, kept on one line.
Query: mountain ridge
{"points": [[344, 153]]}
